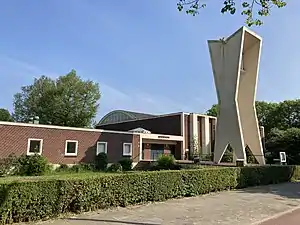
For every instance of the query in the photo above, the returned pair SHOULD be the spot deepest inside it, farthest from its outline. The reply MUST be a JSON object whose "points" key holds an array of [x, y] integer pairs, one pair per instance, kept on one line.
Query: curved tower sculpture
{"points": [[235, 64]]}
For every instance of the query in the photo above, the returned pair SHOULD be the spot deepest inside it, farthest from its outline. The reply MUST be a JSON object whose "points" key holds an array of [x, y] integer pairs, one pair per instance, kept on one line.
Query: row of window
{"points": [[35, 146]]}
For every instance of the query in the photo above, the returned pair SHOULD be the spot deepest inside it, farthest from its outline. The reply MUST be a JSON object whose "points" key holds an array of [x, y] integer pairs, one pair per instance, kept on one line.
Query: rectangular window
{"points": [[101, 147], [127, 149], [34, 146], [71, 148]]}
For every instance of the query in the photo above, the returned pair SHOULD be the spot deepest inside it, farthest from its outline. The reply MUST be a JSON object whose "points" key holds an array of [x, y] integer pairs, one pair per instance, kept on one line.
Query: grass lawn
{"points": [[55, 176]]}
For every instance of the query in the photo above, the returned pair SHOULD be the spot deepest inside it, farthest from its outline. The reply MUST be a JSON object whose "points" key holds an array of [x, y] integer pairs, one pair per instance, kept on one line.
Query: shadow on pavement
{"points": [[112, 221], [286, 190]]}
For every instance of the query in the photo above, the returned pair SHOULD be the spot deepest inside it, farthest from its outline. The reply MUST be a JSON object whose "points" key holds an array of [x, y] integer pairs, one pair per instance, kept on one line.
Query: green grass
{"points": [[61, 175], [68, 174], [54, 176]]}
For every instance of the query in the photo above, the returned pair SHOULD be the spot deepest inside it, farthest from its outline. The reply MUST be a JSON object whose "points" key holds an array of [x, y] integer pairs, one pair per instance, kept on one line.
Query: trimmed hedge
{"points": [[32, 200]]}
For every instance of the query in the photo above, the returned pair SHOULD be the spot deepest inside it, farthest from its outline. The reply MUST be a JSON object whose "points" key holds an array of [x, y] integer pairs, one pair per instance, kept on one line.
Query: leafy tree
{"points": [[5, 115], [65, 101], [213, 111], [252, 9], [287, 141], [266, 113], [287, 114], [282, 128]]}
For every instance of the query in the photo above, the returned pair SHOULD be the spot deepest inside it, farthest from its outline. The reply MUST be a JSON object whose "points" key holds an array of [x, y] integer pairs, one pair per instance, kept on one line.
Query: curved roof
{"points": [[117, 116]]}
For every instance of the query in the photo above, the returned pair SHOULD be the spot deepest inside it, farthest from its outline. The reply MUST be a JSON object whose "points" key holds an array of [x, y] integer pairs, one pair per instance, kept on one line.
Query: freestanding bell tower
{"points": [[235, 64]]}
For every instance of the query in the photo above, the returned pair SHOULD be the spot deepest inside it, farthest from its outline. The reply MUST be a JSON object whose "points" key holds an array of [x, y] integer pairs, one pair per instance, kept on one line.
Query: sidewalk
{"points": [[290, 218], [242, 207]]}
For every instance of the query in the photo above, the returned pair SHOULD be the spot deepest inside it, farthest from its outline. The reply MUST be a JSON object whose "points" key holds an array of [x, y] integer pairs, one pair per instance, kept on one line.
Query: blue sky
{"points": [[145, 55]]}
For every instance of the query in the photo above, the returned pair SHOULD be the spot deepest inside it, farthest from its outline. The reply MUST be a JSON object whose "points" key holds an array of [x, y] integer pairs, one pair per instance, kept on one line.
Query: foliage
{"points": [[32, 165], [8, 165], [65, 101], [282, 115], [101, 161], [265, 114], [195, 146], [188, 166], [82, 167], [287, 114], [250, 157], [287, 141], [207, 157], [213, 111], [228, 155], [5, 115], [126, 164], [282, 123], [77, 168], [166, 162], [25, 201], [252, 9], [115, 167], [63, 167]]}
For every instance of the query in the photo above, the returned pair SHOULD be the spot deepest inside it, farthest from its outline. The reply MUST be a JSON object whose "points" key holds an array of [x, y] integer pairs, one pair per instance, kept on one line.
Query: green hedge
{"points": [[29, 200]]}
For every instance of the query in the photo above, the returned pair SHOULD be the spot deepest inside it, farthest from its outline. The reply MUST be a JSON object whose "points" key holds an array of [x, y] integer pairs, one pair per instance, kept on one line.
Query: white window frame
{"points": [[105, 148], [127, 154], [28, 146], [66, 148]]}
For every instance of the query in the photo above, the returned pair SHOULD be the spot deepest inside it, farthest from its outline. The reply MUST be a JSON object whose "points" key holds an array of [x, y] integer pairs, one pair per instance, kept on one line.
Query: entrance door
{"points": [[156, 151]]}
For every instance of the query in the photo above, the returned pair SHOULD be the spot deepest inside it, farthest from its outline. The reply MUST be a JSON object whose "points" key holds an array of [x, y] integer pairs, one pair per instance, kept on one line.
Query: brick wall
{"points": [[14, 139]]}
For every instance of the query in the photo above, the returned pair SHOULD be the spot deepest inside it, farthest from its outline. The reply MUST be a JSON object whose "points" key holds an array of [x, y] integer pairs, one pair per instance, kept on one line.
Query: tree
{"points": [[5, 115], [252, 9], [287, 114], [65, 101], [287, 141], [266, 113], [213, 111]]}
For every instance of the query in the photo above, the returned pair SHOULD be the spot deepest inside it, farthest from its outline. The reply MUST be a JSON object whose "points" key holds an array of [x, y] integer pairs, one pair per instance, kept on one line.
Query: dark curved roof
{"points": [[117, 116]]}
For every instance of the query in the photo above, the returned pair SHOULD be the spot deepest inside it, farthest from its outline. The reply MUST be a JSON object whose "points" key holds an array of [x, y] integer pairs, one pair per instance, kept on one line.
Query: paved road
{"points": [[290, 218], [242, 207]]}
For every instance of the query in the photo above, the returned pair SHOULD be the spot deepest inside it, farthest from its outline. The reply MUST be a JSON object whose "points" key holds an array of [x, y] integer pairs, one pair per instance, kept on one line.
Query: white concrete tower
{"points": [[235, 64]]}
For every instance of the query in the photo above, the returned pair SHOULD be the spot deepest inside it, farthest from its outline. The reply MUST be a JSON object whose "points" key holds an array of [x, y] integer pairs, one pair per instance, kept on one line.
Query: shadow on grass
{"points": [[111, 221]]}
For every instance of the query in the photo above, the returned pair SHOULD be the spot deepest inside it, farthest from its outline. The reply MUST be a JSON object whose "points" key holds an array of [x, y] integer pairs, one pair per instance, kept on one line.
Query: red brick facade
{"points": [[14, 139]]}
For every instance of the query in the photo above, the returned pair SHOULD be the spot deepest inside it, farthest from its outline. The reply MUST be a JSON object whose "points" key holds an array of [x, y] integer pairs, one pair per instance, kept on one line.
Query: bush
{"points": [[9, 165], [116, 167], [62, 168], [166, 162], [25, 201], [287, 141], [206, 157], [126, 164], [228, 155], [101, 161], [250, 157], [78, 168], [32, 165]]}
